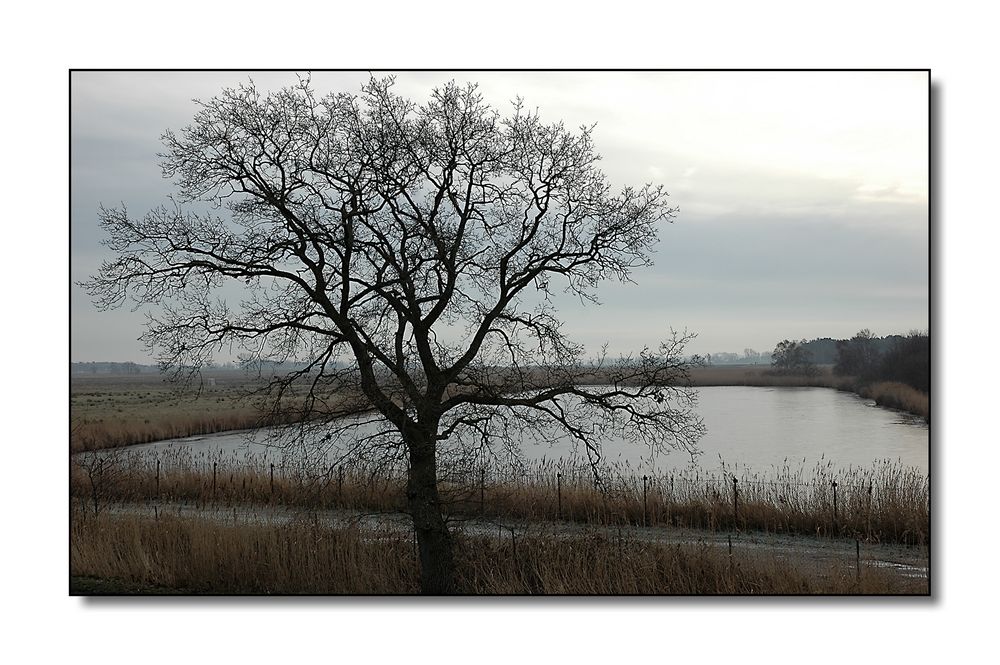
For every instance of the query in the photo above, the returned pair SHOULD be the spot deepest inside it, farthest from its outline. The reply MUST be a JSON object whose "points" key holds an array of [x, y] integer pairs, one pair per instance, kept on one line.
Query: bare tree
{"points": [[408, 255], [858, 356], [791, 357], [102, 469]]}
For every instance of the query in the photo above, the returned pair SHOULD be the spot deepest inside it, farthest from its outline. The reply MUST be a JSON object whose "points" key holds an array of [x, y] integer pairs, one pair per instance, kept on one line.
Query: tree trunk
{"points": [[437, 563]]}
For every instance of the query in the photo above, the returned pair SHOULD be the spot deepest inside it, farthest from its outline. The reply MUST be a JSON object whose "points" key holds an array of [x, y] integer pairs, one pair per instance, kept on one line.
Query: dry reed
{"points": [[895, 395], [883, 503], [251, 557]]}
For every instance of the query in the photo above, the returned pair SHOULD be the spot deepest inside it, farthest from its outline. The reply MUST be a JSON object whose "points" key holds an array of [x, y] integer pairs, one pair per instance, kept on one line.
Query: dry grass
{"points": [[889, 394], [113, 433], [112, 411], [761, 375], [884, 503], [202, 556], [896, 395], [119, 411]]}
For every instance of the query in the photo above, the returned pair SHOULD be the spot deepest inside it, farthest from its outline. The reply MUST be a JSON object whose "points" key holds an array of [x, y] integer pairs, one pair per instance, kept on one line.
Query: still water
{"points": [[750, 428]]}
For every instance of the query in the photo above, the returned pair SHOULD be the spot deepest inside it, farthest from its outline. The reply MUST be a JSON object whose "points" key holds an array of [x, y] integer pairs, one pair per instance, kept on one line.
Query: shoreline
{"points": [[161, 415]]}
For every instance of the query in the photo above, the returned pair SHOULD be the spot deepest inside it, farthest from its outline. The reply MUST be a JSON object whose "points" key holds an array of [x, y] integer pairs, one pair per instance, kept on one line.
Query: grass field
{"points": [[110, 411]]}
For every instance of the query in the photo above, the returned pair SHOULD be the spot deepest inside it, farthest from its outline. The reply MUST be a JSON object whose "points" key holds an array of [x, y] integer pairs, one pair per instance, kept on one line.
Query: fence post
{"points": [[340, 482], [215, 469], [482, 491], [272, 480], [736, 506], [157, 479], [559, 491], [869, 511], [857, 556], [645, 480], [835, 529]]}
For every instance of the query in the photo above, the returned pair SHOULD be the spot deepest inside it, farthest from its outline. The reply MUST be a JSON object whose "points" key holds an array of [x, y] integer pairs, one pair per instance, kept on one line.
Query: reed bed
{"points": [[884, 503], [763, 375], [100, 434], [890, 394], [895, 395], [192, 555], [199, 555]]}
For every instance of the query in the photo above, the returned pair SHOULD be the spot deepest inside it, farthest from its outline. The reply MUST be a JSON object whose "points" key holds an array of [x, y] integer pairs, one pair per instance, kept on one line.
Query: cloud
{"points": [[802, 196]]}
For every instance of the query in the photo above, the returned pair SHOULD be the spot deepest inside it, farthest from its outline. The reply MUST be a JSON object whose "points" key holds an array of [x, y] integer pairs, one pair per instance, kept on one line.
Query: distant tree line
{"points": [[748, 357], [120, 368], [264, 367], [906, 359], [902, 358]]}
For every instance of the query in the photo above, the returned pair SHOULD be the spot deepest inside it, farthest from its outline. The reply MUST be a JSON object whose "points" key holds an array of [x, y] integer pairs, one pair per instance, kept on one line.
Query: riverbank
{"points": [[118, 411], [888, 394]]}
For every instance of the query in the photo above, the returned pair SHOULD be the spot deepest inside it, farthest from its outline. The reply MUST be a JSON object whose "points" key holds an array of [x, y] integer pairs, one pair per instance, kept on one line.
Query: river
{"points": [[752, 429]]}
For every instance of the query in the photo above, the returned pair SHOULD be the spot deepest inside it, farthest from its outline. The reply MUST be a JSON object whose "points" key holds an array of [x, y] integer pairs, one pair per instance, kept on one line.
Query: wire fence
{"points": [[884, 502]]}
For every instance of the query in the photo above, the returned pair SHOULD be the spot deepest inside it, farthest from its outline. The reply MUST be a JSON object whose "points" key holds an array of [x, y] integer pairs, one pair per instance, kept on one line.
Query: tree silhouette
{"points": [[791, 357], [408, 255]]}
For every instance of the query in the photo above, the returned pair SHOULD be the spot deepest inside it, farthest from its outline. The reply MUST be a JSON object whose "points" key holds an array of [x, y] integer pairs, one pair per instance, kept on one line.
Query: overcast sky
{"points": [[802, 195]]}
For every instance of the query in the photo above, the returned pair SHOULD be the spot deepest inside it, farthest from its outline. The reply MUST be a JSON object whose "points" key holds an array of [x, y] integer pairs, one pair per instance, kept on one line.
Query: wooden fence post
{"points": [[835, 520], [559, 491], [645, 481], [482, 491], [736, 507], [869, 511]]}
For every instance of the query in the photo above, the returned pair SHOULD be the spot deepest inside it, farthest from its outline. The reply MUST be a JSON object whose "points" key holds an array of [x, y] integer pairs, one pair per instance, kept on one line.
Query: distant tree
{"points": [[791, 357], [822, 350], [858, 356], [908, 361], [420, 244]]}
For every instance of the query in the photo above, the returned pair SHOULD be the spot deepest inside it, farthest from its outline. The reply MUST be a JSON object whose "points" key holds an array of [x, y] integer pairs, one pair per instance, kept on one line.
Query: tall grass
{"points": [[101, 434], [202, 556], [896, 395], [886, 502], [761, 375]]}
